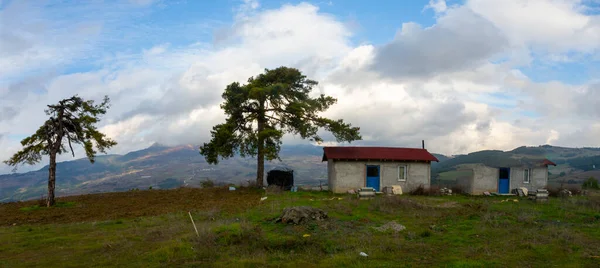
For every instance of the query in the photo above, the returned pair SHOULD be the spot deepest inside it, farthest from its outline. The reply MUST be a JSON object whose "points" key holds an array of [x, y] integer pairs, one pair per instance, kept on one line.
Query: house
{"points": [[529, 173], [355, 167]]}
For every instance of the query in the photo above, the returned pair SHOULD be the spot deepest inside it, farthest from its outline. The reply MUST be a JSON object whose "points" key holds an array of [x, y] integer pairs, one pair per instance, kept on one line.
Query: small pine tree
{"points": [[72, 121]]}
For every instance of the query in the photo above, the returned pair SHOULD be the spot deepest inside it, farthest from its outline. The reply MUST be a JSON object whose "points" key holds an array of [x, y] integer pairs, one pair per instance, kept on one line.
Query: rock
{"points": [[446, 191], [388, 190], [487, 194], [302, 214], [565, 193], [363, 254], [392, 225], [397, 189], [524, 190], [351, 191]]}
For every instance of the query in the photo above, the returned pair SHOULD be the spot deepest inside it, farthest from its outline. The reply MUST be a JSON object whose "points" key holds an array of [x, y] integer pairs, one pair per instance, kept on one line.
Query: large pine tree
{"points": [[260, 112]]}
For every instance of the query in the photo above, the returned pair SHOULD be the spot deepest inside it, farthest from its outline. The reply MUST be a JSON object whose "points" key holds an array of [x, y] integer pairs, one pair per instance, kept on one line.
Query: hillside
{"points": [[159, 167], [165, 167], [570, 161]]}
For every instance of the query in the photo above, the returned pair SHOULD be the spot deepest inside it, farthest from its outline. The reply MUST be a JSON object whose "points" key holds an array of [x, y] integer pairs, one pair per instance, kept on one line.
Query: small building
{"points": [[355, 167], [529, 173]]}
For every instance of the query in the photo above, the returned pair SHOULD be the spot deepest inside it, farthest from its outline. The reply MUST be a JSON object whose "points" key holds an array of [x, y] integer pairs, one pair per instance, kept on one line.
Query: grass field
{"points": [[153, 229]]}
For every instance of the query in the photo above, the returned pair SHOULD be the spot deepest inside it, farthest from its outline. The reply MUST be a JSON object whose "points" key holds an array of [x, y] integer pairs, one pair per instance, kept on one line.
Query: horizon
{"points": [[463, 75], [284, 145]]}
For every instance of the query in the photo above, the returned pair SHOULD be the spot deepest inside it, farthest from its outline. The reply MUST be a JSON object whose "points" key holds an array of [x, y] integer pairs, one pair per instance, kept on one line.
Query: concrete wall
{"points": [[466, 182], [485, 179], [538, 178], [347, 175]]}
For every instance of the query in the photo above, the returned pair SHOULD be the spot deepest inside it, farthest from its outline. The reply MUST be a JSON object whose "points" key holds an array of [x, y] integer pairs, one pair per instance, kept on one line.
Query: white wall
{"points": [[538, 179], [486, 179], [346, 175]]}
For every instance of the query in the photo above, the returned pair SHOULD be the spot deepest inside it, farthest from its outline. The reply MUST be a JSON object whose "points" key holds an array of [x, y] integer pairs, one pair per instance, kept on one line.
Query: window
{"points": [[526, 174], [401, 173]]}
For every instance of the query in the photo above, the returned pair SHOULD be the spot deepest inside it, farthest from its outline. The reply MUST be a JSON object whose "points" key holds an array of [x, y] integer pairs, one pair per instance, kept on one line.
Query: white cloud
{"points": [[459, 40], [438, 6], [142, 2], [557, 26]]}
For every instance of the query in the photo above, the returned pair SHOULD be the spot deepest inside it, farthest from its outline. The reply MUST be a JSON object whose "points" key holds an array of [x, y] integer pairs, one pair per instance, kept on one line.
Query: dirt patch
{"points": [[112, 206], [392, 225]]}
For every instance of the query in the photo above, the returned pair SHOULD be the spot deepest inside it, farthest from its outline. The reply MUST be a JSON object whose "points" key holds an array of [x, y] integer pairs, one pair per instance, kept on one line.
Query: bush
{"points": [[421, 190], [591, 183], [208, 183], [274, 189], [456, 189], [555, 191]]}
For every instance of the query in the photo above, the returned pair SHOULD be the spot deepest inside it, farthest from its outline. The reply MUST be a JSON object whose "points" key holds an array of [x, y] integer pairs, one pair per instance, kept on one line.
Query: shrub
{"points": [[252, 184], [421, 190], [456, 189], [555, 191], [425, 233], [207, 183], [591, 183], [274, 189]]}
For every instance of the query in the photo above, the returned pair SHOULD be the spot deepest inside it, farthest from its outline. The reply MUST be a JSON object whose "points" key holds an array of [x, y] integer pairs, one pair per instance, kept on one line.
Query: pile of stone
{"points": [[366, 193], [392, 190], [302, 214], [521, 191], [541, 195], [446, 191]]}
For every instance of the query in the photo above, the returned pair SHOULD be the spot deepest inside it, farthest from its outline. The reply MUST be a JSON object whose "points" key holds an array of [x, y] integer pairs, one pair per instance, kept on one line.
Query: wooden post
{"points": [[194, 224]]}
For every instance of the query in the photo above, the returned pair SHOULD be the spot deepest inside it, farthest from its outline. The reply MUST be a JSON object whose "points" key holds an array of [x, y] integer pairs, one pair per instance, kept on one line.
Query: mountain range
{"points": [[164, 167]]}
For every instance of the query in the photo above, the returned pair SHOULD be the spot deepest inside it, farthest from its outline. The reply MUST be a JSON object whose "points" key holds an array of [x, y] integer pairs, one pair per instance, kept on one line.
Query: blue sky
{"points": [[464, 75]]}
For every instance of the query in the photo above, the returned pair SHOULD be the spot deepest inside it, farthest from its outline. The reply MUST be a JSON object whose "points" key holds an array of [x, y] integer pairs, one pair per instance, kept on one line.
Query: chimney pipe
{"points": [[423, 143]]}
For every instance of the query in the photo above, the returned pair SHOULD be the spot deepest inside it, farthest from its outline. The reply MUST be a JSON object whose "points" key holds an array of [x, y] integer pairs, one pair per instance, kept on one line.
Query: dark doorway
{"points": [[373, 177], [504, 181]]}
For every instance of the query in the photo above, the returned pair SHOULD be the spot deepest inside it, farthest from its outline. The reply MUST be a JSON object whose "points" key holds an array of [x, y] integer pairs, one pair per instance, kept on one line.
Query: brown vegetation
{"points": [[132, 204]]}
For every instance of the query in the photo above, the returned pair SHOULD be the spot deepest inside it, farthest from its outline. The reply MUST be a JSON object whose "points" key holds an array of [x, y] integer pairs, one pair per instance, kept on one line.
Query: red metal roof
{"points": [[547, 162], [377, 153]]}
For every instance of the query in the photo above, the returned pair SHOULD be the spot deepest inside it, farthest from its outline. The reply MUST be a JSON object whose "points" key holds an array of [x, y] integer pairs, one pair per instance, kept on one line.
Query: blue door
{"points": [[503, 181], [373, 177]]}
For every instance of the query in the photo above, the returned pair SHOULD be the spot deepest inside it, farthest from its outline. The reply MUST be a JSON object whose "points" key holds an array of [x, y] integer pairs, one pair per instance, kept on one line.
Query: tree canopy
{"points": [[72, 119], [260, 112]]}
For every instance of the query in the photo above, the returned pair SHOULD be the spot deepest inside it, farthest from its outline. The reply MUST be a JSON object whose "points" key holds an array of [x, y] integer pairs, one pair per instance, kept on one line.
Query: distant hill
{"points": [[164, 167], [157, 166], [569, 161]]}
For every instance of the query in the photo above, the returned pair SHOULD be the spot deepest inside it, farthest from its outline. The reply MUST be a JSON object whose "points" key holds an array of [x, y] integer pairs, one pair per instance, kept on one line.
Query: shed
{"points": [[531, 173], [282, 177], [354, 167]]}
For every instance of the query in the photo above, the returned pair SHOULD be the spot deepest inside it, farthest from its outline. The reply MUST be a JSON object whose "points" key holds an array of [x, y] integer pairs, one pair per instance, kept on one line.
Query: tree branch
{"points": [[70, 146]]}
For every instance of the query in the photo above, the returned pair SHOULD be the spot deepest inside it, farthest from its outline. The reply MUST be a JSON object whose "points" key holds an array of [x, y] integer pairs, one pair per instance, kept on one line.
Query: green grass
{"points": [[448, 231]]}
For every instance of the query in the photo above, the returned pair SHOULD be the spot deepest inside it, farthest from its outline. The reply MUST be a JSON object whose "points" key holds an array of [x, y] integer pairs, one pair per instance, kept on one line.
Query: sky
{"points": [[462, 75]]}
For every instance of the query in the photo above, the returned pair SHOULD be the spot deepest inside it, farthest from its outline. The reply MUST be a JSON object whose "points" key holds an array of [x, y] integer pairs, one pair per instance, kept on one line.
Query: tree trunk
{"points": [[51, 180], [260, 165]]}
